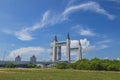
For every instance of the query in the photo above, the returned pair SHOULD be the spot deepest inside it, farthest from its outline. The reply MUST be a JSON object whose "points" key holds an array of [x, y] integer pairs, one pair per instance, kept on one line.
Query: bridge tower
{"points": [[79, 56], [68, 48], [54, 49], [33, 59], [18, 59]]}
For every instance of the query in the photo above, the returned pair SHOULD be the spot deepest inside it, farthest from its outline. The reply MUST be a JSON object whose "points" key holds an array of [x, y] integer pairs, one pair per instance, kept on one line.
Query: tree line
{"points": [[12, 65], [93, 64]]}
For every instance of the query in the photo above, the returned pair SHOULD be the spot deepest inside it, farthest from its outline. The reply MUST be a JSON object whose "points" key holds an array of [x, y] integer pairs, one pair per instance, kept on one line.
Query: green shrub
{"points": [[61, 65], [82, 64], [10, 65], [31, 65], [38, 67], [95, 64], [71, 65]]}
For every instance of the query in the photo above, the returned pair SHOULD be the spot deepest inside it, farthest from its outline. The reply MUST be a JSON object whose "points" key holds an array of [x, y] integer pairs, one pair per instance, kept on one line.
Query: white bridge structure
{"points": [[56, 49], [55, 53]]}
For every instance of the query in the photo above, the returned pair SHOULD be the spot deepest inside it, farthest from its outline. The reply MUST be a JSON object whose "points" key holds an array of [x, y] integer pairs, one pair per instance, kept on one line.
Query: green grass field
{"points": [[56, 74]]}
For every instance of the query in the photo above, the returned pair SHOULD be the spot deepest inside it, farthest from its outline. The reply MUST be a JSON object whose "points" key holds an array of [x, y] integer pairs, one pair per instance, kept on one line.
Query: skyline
{"points": [[28, 27]]}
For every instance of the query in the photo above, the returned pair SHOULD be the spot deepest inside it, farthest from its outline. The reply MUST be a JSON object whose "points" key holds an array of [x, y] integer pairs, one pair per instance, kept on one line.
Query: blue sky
{"points": [[28, 26]]}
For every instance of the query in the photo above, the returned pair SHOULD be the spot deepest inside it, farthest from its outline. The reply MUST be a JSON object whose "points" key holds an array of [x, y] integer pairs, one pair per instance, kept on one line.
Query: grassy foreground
{"points": [[56, 74]]}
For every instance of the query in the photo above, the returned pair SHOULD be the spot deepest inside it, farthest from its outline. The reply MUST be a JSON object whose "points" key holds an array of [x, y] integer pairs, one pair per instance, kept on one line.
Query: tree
{"points": [[82, 64], [71, 65], [10, 65], [31, 65], [95, 64], [61, 65]]}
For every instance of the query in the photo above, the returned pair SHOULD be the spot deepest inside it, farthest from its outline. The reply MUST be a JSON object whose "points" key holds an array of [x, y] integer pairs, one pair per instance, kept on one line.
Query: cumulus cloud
{"points": [[86, 46], [89, 6], [27, 52]]}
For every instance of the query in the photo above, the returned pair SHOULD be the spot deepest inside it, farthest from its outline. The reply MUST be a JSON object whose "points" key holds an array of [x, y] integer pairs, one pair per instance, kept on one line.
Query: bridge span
{"points": [[55, 53], [43, 64]]}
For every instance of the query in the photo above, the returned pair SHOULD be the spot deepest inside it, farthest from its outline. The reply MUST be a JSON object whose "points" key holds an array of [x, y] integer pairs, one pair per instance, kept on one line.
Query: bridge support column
{"points": [[54, 49], [79, 51], [68, 48]]}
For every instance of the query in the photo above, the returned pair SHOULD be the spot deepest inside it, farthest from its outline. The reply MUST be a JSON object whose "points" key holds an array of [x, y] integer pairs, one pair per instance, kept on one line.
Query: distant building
{"points": [[18, 59], [33, 59]]}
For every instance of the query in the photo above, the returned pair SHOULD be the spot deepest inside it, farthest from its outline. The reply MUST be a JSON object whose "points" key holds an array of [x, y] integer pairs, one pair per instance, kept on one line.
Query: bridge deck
{"points": [[28, 62]]}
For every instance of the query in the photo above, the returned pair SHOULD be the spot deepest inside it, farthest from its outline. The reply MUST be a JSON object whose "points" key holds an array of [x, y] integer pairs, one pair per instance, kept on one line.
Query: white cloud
{"points": [[84, 31], [87, 32], [86, 46], [50, 18], [89, 6], [103, 46], [25, 33], [47, 19], [42, 23], [104, 41], [27, 52]]}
